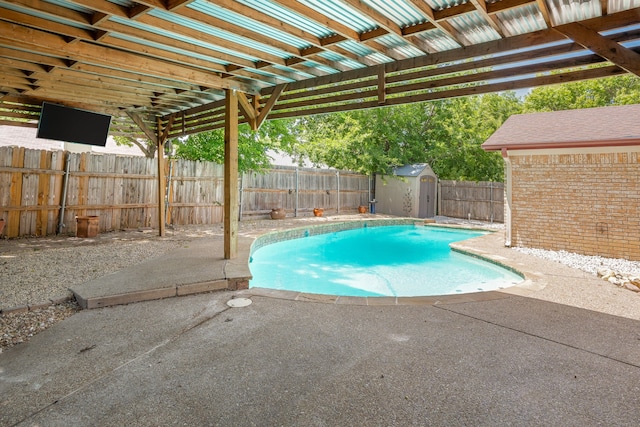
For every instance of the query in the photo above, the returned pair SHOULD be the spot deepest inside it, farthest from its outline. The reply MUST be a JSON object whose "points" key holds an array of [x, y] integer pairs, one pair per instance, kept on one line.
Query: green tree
{"points": [[146, 146], [617, 90], [447, 134], [252, 145], [460, 127]]}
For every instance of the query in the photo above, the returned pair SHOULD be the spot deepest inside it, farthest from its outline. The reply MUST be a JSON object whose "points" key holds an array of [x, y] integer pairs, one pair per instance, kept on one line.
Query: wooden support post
{"points": [[382, 85], [161, 179], [231, 175]]}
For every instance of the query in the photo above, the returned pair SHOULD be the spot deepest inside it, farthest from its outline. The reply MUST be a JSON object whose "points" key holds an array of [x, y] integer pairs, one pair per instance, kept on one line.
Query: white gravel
{"points": [[589, 264]]}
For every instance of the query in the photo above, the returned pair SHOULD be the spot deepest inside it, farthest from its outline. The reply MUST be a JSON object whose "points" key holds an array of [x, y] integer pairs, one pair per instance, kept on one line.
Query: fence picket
{"points": [[482, 201], [123, 192]]}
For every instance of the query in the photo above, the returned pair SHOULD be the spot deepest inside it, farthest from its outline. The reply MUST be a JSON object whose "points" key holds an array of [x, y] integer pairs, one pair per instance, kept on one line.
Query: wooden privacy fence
{"points": [[42, 192], [482, 201], [300, 190]]}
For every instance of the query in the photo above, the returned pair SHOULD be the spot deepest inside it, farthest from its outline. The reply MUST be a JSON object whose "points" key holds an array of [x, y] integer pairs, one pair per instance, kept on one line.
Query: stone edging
{"points": [[32, 307]]}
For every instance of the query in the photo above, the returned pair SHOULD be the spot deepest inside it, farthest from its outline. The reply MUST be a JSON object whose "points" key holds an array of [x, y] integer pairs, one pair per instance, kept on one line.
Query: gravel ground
{"points": [[590, 264], [37, 272]]}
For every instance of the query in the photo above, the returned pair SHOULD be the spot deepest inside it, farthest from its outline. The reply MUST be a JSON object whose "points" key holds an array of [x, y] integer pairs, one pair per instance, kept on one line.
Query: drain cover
{"points": [[239, 302]]}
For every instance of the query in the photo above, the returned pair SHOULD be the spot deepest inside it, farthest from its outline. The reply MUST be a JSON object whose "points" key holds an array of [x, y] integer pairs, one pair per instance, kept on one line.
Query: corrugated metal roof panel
{"points": [[215, 32], [397, 43], [378, 58], [125, 3], [565, 11], [182, 38], [402, 12], [522, 20], [620, 5], [336, 57], [439, 40], [474, 28], [246, 22], [168, 48], [320, 67], [356, 48], [300, 73], [287, 16], [70, 5], [444, 4], [342, 13]]}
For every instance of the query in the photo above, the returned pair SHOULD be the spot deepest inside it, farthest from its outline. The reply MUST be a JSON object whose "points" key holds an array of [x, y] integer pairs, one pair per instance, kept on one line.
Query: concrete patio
{"points": [[500, 358]]}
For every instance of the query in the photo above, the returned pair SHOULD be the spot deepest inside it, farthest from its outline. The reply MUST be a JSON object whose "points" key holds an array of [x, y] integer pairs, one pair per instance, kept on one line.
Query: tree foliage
{"points": [[146, 146], [252, 146], [447, 134], [619, 90]]}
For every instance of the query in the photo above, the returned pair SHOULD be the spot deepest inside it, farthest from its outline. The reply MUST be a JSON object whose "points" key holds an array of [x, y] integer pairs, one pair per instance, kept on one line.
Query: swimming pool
{"points": [[400, 260]]}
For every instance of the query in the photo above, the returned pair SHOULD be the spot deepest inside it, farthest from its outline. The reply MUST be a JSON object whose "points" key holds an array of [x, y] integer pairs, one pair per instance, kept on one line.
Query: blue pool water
{"points": [[377, 261]]}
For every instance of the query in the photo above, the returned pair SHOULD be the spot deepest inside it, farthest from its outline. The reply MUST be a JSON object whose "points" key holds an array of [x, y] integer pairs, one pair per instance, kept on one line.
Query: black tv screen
{"points": [[72, 125]]}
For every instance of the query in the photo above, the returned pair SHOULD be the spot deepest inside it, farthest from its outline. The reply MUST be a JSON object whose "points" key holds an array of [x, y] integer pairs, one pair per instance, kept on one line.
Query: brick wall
{"points": [[583, 202]]}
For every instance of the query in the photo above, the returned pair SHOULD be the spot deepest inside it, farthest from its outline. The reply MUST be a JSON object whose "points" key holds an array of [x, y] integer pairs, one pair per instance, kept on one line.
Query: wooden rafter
{"points": [[144, 56], [544, 10], [430, 15], [45, 43], [481, 7], [624, 58]]}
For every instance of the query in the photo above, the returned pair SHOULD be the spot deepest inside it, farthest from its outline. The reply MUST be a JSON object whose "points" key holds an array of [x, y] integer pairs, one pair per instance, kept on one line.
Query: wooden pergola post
{"points": [[161, 179], [231, 175]]}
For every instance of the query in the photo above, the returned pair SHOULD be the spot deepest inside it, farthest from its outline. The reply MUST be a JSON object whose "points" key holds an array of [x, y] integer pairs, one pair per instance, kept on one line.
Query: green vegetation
{"points": [[447, 134], [252, 146]]}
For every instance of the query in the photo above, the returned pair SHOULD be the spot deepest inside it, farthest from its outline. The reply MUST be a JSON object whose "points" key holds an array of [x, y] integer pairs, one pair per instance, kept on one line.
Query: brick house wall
{"points": [[582, 200], [572, 180]]}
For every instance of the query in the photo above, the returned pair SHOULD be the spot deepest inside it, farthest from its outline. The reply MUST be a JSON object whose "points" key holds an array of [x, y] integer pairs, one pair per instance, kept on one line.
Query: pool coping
{"points": [[523, 288], [203, 269]]}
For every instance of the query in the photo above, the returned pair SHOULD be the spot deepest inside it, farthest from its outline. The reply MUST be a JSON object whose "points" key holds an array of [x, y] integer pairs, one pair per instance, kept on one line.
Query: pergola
{"points": [[170, 68]]}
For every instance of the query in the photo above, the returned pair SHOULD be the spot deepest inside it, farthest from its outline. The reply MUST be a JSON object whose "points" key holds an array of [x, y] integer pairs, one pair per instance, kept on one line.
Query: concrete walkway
{"points": [[200, 267], [508, 359]]}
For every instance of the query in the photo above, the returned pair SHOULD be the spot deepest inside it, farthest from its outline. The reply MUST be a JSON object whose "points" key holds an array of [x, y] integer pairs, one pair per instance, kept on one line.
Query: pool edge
{"points": [[522, 289]]}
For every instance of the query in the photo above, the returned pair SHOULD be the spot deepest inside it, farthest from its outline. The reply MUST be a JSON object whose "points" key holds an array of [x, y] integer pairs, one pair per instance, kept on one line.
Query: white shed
{"points": [[409, 191]]}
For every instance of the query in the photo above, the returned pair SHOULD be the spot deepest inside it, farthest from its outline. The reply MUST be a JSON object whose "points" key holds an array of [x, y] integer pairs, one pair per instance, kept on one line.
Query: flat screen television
{"points": [[73, 125]]}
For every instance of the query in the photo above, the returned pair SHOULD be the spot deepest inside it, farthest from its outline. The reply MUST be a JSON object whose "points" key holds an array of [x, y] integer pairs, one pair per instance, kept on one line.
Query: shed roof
{"points": [[591, 127], [411, 170]]}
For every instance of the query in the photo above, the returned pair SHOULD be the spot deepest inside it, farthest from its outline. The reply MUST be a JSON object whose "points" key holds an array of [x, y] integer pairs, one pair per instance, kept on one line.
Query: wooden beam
{"points": [[45, 43], [608, 49], [481, 7], [592, 73], [544, 9], [247, 110], [165, 131], [505, 5], [231, 175], [153, 137], [382, 85], [271, 102]]}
